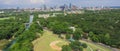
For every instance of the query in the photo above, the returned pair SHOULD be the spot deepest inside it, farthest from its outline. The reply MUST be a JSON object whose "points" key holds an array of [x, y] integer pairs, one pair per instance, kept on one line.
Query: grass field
{"points": [[94, 47], [43, 43], [6, 18]]}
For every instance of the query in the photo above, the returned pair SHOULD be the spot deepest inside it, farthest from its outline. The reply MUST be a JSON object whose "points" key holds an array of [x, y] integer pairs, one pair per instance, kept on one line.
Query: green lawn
{"points": [[6, 18], [43, 43], [95, 47]]}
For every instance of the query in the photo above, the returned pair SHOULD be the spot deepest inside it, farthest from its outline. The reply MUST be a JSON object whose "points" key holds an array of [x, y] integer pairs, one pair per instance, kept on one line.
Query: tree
{"points": [[58, 27], [95, 38], [80, 48], [106, 38], [75, 45], [84, 45], [68, 36], [91, 34], [43, 22], [69, 31], [85, 35], [66, 48], [77, 34]]}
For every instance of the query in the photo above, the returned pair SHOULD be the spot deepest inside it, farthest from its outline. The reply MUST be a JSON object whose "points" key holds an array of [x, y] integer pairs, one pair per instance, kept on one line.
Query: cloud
{"points": [[6, 1], [13, 2], [37, 1]]}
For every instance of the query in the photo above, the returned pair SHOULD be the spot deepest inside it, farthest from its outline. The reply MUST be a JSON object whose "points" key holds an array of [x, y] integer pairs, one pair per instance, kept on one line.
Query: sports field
{"points": [[43, 43], [51, 42]]}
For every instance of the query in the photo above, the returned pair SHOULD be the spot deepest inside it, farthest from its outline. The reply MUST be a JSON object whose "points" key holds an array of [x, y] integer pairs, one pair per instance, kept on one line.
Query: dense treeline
{"points": [[10, 27], [74, 46], [100, 26], [24, 40], [14, 29]]}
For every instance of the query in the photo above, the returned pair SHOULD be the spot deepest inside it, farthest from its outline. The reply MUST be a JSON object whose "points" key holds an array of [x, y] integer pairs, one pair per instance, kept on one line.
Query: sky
{"points": [[39, 3]]}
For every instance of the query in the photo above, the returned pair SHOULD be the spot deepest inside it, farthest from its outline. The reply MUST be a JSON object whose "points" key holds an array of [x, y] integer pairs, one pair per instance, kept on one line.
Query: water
{"points": [[30, 21], [9, 45]]}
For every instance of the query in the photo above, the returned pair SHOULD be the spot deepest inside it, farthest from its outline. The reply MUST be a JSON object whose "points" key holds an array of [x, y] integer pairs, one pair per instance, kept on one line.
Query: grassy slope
{"points": [[94, 46]]}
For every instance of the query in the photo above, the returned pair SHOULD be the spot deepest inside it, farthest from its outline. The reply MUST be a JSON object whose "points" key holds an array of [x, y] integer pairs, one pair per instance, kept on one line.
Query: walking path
{"points": [[90, 48], [94, 46]]}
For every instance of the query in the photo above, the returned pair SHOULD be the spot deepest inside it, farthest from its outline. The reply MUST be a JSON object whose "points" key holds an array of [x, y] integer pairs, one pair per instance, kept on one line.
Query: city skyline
{"points": [[39, 3]]}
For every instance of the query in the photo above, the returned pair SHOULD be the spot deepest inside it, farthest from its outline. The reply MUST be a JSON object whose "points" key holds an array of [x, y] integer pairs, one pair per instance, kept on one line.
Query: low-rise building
{"points": [[1, 12], [44, 15], [75, 12]]}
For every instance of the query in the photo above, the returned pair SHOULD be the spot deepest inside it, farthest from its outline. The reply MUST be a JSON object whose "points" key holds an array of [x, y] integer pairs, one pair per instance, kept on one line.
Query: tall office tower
{"points": [[17, 8], [70, 6], [74, 7], [66, 7], [102, 6], [44, 7], [63, 7]]}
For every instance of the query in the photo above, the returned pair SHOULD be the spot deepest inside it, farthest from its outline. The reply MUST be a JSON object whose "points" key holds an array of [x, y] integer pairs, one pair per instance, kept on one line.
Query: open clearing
{"points": [[6, 18], [54, 46], [43, 43]]}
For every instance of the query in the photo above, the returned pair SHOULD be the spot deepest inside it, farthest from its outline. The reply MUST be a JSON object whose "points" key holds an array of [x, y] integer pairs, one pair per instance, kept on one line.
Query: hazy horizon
{"points": [[39, 3]]}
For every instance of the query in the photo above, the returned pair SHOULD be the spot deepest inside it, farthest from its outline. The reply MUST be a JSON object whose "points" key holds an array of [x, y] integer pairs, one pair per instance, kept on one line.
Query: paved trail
{"points": [[90, 48], [94, 46]]}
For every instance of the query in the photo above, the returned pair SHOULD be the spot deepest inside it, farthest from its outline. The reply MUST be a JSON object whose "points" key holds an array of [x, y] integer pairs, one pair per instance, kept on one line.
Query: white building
{"points": [[1, 12], [44, 15], [73, 28], [75, 12]]}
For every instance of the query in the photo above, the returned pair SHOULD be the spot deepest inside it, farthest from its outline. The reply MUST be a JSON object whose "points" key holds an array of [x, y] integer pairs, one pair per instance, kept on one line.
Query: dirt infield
{"points": [[54, 46]]}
